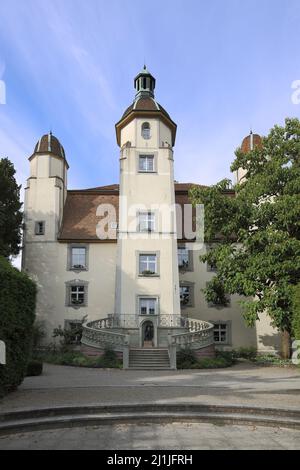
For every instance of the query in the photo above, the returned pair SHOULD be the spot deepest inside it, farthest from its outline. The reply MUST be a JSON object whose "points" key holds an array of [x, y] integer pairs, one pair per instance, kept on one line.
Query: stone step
{"points": [[149, 359], [70, 416]]}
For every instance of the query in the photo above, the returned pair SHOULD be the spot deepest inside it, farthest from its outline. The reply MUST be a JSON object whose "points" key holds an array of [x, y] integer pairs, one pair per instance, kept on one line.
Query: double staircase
{"points": [[114, 331], [149, 359]]}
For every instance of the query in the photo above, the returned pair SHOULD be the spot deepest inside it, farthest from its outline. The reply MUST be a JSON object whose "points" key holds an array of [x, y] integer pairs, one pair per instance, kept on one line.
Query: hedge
{"points": [[34, 368], [17, 314]]}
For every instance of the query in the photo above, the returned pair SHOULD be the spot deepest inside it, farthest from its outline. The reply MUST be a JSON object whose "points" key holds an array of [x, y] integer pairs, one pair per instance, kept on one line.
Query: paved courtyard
{"points": [[243, 384]]}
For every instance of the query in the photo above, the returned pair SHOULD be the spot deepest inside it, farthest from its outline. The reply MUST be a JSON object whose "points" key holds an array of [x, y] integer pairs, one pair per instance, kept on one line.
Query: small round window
{"points": [[146, 130]]}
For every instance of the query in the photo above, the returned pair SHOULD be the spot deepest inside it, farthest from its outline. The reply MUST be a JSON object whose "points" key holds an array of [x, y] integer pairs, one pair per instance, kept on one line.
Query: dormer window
{"points": [[146, 130]]}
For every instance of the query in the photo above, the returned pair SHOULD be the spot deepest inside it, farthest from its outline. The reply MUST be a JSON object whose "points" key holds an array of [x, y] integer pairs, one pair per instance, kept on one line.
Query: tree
{"points": [[10, 213], [296, 312], [257, 227]]}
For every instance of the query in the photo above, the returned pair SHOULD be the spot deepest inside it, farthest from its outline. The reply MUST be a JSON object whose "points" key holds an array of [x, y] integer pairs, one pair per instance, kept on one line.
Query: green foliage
{"points": [[10, 213], [187, 359], [245, 353], [17, 300], [271, 360], [34, 368], [257, 228], [296, 312], [109, 359], [38, 334], [215, 293], [69, 336], [228, 356]]}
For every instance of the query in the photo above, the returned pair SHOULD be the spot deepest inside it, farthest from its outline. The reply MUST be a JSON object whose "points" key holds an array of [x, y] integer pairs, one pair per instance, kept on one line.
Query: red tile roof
{"points": [[80, 212]]}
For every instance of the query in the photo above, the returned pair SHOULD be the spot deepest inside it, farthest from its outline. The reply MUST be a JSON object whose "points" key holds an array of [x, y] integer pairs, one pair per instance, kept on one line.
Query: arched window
{"points": [[146, 130]]}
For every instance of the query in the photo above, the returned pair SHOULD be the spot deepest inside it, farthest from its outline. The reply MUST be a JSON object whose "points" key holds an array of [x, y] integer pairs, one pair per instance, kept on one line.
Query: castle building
{"points": [[117, 255]]}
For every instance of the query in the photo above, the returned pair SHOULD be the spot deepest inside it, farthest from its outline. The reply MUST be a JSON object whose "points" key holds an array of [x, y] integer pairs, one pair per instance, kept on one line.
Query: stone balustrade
{"points": [[197, 338], [97, 336], [196, 334]]}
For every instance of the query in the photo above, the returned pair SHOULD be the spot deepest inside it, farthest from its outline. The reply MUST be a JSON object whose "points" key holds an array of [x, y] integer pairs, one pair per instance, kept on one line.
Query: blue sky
{"points": [[222, 66]]}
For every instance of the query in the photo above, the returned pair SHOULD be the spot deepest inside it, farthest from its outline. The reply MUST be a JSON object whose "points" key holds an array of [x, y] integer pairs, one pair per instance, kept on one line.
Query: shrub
{"points": [[245, 353], [34, 368], [17, 300], [228, 356], [272, 360], [76, 358], [205, 363], [69, 336], [187, 359]]}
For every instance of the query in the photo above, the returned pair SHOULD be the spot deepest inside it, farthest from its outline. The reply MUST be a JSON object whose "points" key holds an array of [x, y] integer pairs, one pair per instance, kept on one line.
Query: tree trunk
{"points": [[285, 345]]}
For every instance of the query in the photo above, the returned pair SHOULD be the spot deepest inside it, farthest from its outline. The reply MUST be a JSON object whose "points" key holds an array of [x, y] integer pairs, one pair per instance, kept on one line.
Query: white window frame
{"points": [[148, 263], [78, 265], [148, 168], [78, 294], [72, 266], [149, 221], [147, 300], [76, 284]]}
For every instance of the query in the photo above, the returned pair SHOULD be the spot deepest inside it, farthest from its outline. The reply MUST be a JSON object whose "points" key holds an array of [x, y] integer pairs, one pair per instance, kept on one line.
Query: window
{"points": [[78, 258], [146, 130], [222, 332], [185, 295], [148, 306], [186, 290], [183, 257], [40, 228], [146, 222], [147, 264], [146, 163], [77, 295], [74, 328]]}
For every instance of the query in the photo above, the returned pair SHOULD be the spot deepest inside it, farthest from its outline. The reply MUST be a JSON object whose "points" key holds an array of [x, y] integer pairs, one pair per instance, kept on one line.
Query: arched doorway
{"points": [[147, 334]]}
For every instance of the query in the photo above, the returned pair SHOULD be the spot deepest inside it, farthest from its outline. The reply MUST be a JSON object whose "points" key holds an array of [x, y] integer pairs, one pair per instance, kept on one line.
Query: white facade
{"points": [[112, 279]]}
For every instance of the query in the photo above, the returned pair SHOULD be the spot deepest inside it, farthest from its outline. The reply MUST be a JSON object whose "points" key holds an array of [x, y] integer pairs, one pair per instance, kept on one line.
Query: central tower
{"points": [[147, 285]]}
